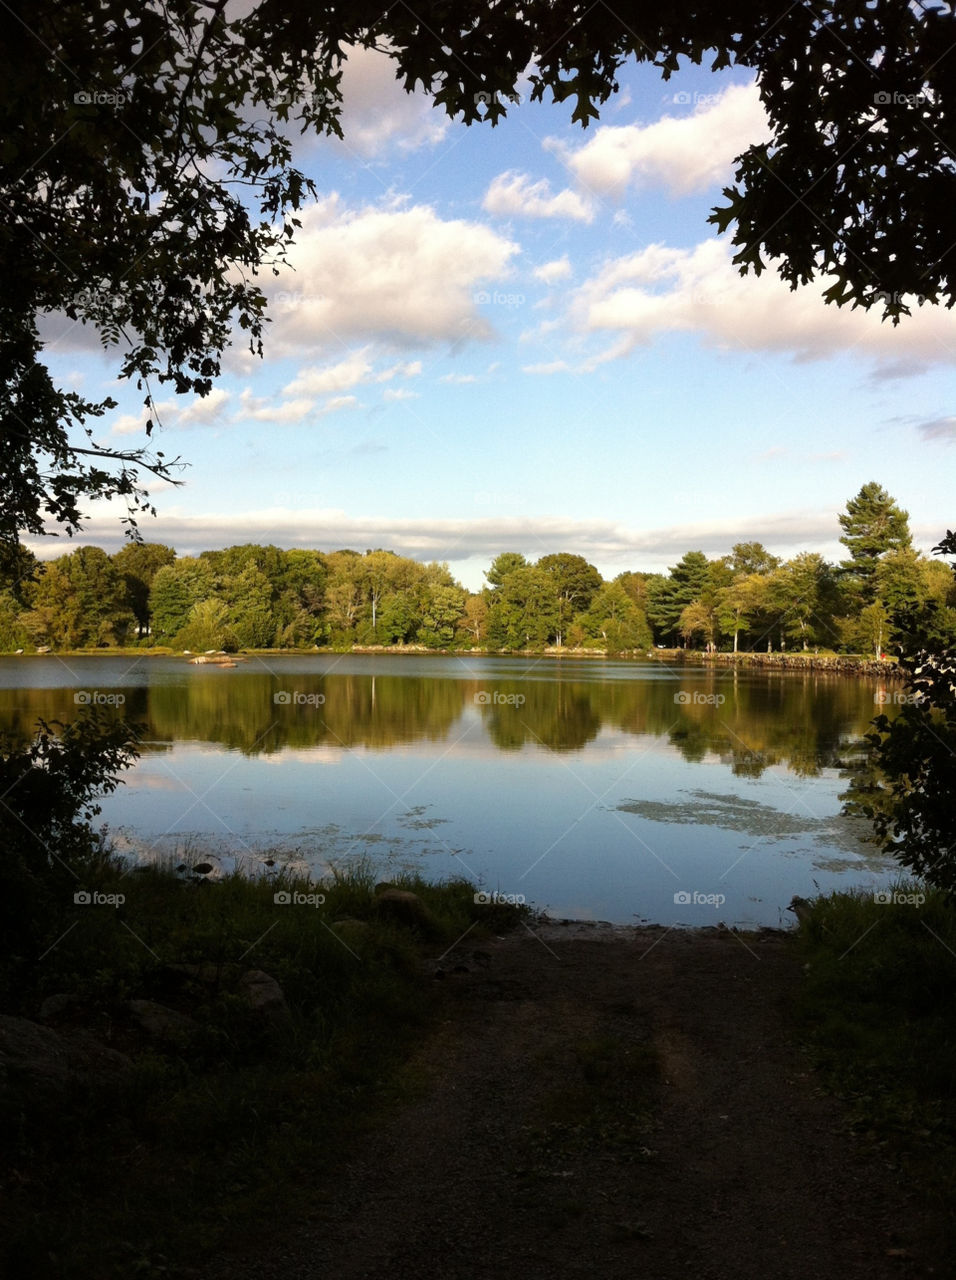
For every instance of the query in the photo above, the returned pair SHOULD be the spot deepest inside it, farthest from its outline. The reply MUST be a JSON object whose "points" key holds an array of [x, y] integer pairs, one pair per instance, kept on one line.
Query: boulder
{"points": [[47, 1062], [355, 934], [160, 1021], [405, 907], [266, 998]]}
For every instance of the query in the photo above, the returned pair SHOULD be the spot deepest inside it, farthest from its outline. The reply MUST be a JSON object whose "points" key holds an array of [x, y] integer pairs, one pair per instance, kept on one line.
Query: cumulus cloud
{"points": [[390, 274], [201, 411], [553, 272], [378, 116], [514, 194], [662, 290], [679, 152]]}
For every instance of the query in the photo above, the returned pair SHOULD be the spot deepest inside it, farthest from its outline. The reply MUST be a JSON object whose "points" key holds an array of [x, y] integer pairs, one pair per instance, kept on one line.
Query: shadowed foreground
{"points": [[611, 1102]]}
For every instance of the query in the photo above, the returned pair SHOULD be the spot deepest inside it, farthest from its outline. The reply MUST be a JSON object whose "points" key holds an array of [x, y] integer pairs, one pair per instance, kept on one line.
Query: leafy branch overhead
{"points": [[147, 175]]}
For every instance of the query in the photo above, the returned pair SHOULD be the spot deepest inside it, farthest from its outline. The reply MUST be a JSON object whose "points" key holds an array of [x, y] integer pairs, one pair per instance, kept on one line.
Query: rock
{"points": [[160, 1021], [49, 1062], [266, 998], [43, 648], [356, 934], [55, 1006], [36, 1054], [405, 907]]}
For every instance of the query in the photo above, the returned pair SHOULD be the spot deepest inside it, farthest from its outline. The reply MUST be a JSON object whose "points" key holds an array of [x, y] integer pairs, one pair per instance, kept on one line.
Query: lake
{"points": [[597, 789]]}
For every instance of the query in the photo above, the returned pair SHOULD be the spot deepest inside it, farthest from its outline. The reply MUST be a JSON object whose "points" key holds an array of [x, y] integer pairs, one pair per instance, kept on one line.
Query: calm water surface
{"points": [[597, 789]]}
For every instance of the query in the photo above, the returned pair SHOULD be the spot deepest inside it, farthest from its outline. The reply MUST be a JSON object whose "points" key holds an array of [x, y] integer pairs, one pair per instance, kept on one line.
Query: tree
{"points": [[138, 563], [689, 580], [614, 619], [740, 603], [574, 582], [504, 564], [79, 601], [147, 176], [915, 754], [176, 589], [805, 595], [752, 557], [698, 620], [872, 525]]}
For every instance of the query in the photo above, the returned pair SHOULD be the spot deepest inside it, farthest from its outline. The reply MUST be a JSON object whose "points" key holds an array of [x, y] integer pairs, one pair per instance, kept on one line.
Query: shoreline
{"points": [[825, 664]]}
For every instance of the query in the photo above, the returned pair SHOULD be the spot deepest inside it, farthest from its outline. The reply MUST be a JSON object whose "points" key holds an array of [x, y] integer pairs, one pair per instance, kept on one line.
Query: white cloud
{"points": [[340, 402], [663, 290], [456, 540], [553, 272], [355, 368], [399, 393], [514, 194], [204, 409], [681, 153], [552, 366], [458, 379], [398, 276], [378, 115], [289, 411], [201, 410]]}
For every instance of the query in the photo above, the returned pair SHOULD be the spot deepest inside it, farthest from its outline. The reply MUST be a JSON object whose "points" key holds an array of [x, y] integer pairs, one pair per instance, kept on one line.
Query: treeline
{"points": [[254, 597]]}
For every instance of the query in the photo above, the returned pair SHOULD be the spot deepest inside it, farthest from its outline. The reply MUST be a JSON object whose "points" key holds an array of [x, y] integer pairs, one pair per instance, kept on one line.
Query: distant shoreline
{"points": [[826, 664]]}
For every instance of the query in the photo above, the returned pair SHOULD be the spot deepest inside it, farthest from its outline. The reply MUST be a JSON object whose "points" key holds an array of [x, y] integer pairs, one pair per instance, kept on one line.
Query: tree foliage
{"points": [[147, 171], [915, 754]]}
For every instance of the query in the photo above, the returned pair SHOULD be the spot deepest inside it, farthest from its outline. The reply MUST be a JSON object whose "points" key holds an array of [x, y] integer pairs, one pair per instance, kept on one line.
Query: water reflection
{"points": [[751, 723]]}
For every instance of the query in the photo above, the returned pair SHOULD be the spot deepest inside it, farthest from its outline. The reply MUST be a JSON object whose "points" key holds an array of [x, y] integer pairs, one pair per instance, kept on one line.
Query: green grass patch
{"points": [[878, 1009], [225, 1127]]}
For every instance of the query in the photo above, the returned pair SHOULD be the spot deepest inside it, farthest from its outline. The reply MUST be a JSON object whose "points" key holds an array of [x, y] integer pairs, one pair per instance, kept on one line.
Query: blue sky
{"points": [[529, 338]]}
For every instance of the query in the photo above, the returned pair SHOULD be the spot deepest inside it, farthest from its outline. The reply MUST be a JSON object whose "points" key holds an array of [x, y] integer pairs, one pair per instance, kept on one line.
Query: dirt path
{"points": [[538, 1150]]}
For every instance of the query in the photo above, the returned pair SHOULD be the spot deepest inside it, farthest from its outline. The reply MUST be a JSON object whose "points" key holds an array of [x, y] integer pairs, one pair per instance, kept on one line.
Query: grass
{"points": [[222, 1130], [878, 1010]]}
